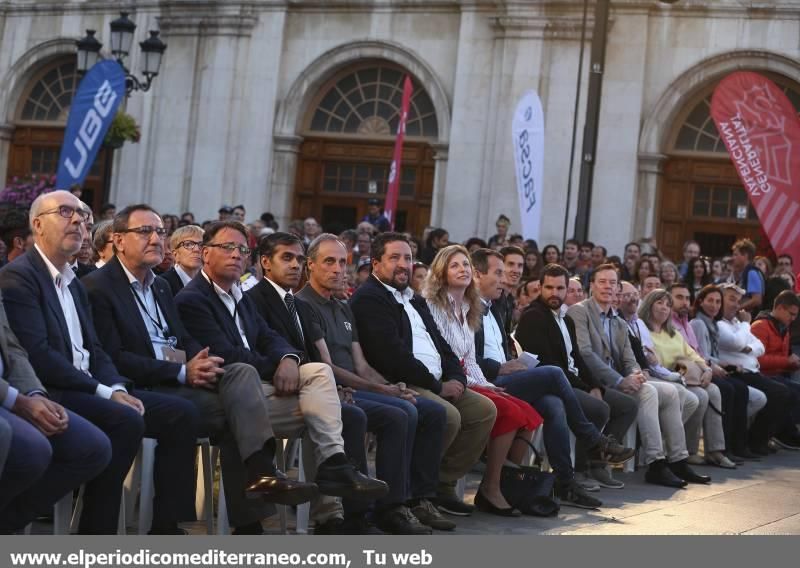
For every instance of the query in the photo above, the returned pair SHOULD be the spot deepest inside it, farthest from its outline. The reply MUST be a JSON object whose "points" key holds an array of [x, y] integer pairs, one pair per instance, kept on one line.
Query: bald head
{"points": [[58, 221]]}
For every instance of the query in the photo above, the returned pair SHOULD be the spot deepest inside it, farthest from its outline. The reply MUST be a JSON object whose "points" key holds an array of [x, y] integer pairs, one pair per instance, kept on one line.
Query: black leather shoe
{"points": [[682, 470], [483, 504], [346, 482], [659, 474], [400, 520], [277, 488]]}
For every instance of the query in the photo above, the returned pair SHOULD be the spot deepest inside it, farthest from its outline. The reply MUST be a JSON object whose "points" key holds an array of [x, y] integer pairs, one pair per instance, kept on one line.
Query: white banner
{"points": [[528, 132]]}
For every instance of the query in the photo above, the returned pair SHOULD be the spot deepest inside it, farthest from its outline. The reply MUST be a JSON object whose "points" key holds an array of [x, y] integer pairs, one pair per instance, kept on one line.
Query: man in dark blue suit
{"points": [[300, 397], [136, 317], [51, 451], [48, 310]]}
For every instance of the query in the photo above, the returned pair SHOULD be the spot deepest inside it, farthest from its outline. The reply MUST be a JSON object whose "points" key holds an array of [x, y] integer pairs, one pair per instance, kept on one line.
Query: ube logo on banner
{"points": [[528, 133], [760, 129], [93, 108]]}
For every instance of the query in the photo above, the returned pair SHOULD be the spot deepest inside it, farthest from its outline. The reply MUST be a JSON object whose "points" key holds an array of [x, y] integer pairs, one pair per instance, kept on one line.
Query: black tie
{"points": [[289, 301], [486, 309]]}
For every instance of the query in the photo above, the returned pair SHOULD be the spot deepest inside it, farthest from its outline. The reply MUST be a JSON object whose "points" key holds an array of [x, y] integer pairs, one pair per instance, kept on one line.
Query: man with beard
{"points": [[400, 341], [545, 331]]}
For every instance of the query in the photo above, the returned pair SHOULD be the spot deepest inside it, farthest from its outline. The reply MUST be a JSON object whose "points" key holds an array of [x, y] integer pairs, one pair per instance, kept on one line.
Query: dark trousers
{"points": [[735, 395], [354, 433], [426, 422], [546, 389], [772, 417], [173, 422], [40, 470], [614, 415], [793, 413]]}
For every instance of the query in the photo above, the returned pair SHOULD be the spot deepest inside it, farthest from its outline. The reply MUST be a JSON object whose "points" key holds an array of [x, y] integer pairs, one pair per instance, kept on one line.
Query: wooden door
{"points": [[336, 178], [703, 199], [35, 150]]}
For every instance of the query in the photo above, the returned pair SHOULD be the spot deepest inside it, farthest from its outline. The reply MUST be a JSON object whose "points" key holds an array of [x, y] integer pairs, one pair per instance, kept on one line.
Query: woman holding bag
{"points": [[675, 354]]}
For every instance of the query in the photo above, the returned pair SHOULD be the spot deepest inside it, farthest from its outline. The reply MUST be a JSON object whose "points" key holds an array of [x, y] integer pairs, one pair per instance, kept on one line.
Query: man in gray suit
{"points": [[46, 451], [604, 345]]}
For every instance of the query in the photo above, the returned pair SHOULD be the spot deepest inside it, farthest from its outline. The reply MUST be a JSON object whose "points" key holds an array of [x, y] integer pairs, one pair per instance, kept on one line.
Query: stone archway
{"points": [[659, 129], [294, 108]]}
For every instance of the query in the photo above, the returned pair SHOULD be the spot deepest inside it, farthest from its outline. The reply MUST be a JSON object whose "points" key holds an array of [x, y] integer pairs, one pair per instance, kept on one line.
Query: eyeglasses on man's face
{"points": [[67, 211], [230, 247], [147, 230]]}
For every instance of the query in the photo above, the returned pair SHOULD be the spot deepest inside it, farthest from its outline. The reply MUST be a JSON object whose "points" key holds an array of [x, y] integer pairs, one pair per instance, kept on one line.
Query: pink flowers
{"points": [[22, 191]]}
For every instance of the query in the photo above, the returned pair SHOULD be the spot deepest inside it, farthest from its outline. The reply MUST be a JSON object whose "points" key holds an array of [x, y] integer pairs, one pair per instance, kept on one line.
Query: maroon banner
{"points": [[390, 207], [760, 129]]}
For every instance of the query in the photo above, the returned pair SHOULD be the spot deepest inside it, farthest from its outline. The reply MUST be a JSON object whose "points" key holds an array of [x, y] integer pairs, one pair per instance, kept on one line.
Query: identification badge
{"points": [[173, 355]]}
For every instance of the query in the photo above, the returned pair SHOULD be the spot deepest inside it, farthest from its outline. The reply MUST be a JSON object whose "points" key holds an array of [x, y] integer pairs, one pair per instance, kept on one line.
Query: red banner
{"points": [[761, 131], [390, 207]]}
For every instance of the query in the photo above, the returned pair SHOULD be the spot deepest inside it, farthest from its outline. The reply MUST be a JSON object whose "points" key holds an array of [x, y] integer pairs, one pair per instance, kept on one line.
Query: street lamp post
{"points": [[590, 129], [122, 32]]}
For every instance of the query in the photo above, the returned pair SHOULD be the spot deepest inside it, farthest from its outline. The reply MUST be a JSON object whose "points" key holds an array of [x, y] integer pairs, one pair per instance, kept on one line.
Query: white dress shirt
{"points": [[185, 278], [492, 337], [734, 336], [460, 337], [562, 325], [230, 301], [281, 294], [80, 355], [422, 343]]}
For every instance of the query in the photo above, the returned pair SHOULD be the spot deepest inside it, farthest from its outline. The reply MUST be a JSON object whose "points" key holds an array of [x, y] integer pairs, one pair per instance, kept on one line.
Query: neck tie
{"points": [[289, 301]]}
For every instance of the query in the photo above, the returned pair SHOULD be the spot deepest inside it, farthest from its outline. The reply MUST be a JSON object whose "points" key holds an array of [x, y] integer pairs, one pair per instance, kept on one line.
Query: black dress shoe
{"points": [[346, 482], [682, 470], [483, 504], [659, 474], [400, 520], [277, 488]]}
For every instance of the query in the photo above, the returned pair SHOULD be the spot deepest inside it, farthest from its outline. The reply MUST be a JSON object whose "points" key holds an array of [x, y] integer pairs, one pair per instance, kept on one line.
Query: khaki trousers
{"points": [[469, 422], [660, 422]]}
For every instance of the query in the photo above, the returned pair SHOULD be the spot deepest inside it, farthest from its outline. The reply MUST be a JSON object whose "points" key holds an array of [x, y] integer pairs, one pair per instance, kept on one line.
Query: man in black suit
{"points": [[300, 397], [401, 341], [186, 244], [48, 310], [135, 316], [47, 450], [545, 331]]}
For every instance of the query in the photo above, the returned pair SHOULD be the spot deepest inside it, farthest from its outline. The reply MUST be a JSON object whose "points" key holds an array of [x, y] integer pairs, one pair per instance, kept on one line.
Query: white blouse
{"points": [[460, 338]]}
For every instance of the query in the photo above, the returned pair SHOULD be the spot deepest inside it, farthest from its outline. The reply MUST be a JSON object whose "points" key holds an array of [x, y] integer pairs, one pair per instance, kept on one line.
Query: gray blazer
{"points": [[593, 343], [17, 370]]}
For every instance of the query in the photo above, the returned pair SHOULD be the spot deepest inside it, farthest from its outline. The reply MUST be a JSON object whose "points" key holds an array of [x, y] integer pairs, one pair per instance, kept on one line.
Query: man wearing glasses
{"points": [[186, 244], [300, 397], [49, 312], [138, 322]]}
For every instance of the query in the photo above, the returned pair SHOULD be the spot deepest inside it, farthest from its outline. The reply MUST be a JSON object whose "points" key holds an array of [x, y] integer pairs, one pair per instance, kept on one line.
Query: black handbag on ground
{"points": [[529, 489]]}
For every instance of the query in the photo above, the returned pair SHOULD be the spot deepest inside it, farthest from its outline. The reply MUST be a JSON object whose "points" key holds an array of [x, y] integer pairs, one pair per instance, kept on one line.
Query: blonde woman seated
{"points": [[456, 307], [674, 353]]}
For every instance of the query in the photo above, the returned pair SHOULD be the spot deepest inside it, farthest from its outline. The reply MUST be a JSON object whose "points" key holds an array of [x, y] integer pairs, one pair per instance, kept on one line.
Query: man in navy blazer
{"points": [[49, 312], [50, 451], [136, 317], [401, 341], [300, 397]]}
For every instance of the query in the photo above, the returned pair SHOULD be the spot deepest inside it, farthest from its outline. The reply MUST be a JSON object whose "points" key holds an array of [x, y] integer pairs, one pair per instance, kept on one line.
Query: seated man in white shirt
{"points": [[739, 351]]}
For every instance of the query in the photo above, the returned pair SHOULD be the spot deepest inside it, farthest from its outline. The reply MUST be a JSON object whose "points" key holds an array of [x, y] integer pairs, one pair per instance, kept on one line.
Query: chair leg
{"points": [[131, 488], [148, 454], [222, 516], [76, 513], [304, 509], [630, 442], [280, 458], [204, 499], [62, 513]]}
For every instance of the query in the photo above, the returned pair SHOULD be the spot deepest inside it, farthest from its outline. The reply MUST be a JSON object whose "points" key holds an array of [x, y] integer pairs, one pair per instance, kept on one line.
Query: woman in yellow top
{"points": [[671, 349]]}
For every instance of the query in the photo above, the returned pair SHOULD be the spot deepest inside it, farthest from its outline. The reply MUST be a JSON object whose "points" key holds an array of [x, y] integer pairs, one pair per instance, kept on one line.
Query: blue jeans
{"points": [[547, 389], [40, 470], [423, 443]]}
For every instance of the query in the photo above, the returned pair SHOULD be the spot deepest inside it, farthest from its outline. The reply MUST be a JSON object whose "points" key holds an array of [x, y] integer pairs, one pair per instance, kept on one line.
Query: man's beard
{"points": [[400, 286], [551, 300]]}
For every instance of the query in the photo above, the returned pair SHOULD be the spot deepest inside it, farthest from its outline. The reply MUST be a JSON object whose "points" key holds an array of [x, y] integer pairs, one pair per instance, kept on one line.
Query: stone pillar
{"points": [[648, 178], [6, 135], [440, 156], [285, 150]]}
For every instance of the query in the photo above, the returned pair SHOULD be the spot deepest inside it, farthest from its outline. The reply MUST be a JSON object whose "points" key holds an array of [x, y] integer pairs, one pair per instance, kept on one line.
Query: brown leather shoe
{"points": [[278, 488]]}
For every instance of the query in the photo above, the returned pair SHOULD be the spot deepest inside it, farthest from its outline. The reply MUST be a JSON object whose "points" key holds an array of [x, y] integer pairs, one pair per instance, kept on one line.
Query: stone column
{"points": [[440, 156], [285, 149], [6, 135], [649, 174]]}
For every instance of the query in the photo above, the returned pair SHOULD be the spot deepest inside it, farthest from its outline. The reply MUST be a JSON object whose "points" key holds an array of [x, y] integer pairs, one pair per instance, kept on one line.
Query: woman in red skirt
{"points": [[456, 307]]}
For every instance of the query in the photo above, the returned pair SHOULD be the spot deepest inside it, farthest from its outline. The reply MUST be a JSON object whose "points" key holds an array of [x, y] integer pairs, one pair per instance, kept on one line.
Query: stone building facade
{"points": [[289, 106]]}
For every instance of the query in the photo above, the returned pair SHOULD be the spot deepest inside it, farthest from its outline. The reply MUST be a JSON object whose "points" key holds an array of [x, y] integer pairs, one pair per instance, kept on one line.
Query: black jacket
{"points": [[384, 332], [538, 333], [123, 332], [490, 367], [273, 309], [208, 320], [174, 281]]}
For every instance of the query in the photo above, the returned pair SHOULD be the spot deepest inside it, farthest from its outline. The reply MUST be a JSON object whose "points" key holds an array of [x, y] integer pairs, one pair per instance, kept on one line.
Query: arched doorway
{"points": [[701, 197], [39, 124], [348, 142]]}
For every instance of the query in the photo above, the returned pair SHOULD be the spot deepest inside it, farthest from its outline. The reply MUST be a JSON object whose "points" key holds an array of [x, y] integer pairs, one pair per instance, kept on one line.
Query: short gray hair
{"points": [[101, 235], [182, 233], [313, 248]]}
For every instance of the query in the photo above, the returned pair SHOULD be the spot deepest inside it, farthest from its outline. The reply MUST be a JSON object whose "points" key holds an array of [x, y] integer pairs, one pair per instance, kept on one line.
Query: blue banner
{"points": [[92, 110]]}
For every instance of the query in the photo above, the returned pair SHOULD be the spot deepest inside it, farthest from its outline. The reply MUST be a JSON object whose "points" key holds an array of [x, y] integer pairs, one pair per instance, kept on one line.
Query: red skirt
{"points": [[512, 413]]}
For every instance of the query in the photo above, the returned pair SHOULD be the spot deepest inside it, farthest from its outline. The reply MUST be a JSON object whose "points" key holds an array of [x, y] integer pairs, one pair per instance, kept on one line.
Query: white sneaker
{"points": [[586, 482], [602, 476]]}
